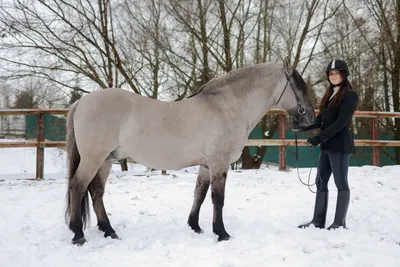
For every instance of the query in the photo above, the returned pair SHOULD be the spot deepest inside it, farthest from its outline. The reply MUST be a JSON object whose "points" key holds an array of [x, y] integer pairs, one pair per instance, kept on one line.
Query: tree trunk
{"points": [[254, 161], [258, 159], [124, 165], [395, 92], [247, 159]]}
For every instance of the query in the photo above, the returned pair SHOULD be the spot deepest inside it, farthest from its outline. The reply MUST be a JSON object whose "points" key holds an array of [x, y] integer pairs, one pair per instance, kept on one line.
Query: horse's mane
{"points": [[215, 84]]}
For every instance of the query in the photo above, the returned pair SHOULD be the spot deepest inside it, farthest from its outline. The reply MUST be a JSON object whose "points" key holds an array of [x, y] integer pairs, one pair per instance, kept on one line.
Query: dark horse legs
{"points": [[79, 212], [200, 192], [96, 189], [217, 182]]}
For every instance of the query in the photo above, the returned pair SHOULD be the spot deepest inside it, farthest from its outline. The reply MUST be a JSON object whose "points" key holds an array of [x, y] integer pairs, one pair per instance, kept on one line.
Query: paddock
{"points": [[149, 211]]}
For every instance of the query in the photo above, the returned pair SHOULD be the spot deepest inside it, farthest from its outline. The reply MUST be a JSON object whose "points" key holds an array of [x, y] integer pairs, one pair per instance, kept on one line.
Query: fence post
{"points": [[282, 135], [40, 148], [375, 136]]}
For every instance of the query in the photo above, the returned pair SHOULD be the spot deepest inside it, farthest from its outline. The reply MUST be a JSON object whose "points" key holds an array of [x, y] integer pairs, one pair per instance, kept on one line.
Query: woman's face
{"points": [[335, 77]]}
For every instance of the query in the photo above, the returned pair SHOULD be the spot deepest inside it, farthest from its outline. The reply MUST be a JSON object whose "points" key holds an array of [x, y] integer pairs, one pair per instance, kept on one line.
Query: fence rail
{"points": [[41, 143]]}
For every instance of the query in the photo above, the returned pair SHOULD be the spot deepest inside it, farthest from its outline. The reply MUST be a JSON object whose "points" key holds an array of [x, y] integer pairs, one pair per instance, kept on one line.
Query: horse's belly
{"points": [[235, 156], [162, 159], [169, 164]]}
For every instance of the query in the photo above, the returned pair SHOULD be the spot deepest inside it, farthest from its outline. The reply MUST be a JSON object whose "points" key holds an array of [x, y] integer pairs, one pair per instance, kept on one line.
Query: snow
{"points": [[149, 212]]}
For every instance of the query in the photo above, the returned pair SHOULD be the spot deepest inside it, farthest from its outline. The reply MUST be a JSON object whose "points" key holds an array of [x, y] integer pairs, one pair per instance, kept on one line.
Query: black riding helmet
{"points": [[338, 65]]}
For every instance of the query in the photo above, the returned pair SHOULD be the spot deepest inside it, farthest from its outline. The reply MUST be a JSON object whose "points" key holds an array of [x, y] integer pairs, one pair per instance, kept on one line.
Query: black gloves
{"points": [[315, 141]]}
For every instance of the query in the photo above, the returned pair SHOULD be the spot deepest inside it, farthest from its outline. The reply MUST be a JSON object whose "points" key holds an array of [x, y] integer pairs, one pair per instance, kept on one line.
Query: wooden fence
{"points": [[41, 143]]}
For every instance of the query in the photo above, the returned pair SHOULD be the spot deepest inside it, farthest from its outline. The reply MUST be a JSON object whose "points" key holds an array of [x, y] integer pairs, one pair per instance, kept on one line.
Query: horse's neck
{"points": [[260, 101], [251, 107], [259, 113], [247, 97]]}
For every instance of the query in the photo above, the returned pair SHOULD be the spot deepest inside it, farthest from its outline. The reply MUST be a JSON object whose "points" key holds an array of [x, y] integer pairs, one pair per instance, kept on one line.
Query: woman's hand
{"points": [[315, 141]]}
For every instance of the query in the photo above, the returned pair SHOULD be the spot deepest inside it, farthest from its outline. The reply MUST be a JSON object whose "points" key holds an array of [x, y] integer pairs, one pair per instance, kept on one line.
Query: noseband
{"points": [[289, 79]]}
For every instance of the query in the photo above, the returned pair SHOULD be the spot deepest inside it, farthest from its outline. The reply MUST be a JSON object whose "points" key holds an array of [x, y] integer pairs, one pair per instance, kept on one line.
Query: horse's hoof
{"points": [[196, 228], [225, 237], [114, 236], [194, 224], [79, 241]]}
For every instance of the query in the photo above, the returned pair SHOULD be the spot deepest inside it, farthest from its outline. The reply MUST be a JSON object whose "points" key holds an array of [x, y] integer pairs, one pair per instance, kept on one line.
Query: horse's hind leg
{"points": [[78, 198], [200, 192], [218, 180], [96, 189]]}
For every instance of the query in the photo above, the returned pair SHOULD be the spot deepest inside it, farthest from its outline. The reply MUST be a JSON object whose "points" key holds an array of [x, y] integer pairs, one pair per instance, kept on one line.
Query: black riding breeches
{"points": [[336, 163]]}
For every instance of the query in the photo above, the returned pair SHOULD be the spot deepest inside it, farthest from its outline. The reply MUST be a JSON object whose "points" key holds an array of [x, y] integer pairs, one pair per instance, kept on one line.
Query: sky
{"points": [[149, 212]]}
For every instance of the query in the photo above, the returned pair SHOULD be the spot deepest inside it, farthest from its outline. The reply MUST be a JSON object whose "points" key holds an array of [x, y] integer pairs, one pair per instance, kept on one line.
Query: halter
{"points": [[289, 79]]}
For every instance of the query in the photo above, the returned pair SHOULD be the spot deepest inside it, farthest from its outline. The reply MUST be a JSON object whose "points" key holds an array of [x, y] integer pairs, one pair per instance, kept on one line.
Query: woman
{"points": [[336, 142]]}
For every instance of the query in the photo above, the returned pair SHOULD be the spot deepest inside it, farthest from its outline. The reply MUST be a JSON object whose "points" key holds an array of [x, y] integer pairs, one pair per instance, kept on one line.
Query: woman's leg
{"points": [[321, 198], [324, 172], [340, 165]]}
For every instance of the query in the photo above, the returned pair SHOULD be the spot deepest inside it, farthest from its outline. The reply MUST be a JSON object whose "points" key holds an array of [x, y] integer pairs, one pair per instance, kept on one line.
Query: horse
{"points": [[208, 129]]}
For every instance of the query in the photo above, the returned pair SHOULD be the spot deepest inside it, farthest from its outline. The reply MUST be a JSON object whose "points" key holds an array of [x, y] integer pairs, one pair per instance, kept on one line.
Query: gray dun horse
{"points": [[208, 129]]}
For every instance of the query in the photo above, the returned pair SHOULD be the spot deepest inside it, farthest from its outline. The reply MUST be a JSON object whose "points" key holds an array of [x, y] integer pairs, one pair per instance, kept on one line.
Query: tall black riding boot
{"points": [[321, 206], [342, 205]]}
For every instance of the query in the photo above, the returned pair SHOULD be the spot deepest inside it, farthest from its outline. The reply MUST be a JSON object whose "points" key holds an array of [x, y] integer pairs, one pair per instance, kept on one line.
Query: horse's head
{"points": [[294, 99]]}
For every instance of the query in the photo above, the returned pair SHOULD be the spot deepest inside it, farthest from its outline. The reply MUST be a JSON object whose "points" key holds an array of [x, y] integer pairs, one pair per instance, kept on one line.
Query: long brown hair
{"points": [[337, 99]]}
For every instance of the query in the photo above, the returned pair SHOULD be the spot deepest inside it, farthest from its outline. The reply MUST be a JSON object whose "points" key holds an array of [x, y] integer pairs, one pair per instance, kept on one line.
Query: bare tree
{"points": [[300, 28], [167, 50], [194, 18], [262, 53], [25, 99], [6, 93], [59, 41], [384, 44]]}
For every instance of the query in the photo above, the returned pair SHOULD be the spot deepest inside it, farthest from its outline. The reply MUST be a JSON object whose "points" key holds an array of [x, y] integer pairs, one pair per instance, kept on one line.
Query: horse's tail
{"points": [[74, 159]]}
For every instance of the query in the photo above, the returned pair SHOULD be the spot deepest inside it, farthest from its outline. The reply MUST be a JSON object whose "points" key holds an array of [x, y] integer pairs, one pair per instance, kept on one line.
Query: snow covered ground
{"points": [[149, 213]]}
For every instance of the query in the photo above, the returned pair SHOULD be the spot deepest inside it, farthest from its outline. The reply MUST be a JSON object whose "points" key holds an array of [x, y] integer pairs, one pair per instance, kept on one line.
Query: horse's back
{"points": [[113, 102]]}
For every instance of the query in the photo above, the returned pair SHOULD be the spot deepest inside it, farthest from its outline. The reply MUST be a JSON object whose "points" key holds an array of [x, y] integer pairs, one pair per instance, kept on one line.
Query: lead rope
{"points": [[309, 173]]}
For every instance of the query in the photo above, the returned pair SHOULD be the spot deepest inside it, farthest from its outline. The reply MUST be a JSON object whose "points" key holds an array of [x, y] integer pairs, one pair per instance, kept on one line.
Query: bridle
{"points": [[290, 80], [301, 111]]}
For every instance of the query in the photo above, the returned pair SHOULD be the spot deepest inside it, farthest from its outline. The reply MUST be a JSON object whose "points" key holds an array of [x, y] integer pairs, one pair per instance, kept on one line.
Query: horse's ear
{"points": [[286, 64]]}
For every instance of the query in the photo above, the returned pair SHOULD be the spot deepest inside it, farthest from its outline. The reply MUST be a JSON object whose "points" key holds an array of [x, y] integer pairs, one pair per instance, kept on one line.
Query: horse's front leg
{"points": [[218, 180], [200, 192]]}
